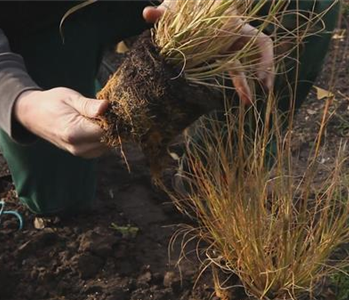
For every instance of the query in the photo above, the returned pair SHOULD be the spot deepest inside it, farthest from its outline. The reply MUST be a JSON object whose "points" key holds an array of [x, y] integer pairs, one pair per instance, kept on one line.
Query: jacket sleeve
{"points": [[14, 80]]}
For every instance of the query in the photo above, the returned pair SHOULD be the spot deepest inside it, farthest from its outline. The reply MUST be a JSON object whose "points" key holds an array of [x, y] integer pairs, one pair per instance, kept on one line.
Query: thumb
{"points": [[90, 108], [153, 14]]}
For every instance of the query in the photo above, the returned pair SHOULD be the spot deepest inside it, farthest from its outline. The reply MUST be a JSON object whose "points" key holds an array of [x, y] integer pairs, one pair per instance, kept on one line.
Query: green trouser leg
{"points": [[303, 66], [47, 179]]}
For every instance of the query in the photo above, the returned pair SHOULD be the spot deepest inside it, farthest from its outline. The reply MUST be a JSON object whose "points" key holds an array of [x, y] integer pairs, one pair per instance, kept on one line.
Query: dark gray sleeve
{"points": [[14, 80]]}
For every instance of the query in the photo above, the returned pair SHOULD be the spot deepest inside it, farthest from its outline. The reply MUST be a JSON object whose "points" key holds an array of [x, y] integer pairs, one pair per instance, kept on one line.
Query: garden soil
{"points": [[120, 250]]}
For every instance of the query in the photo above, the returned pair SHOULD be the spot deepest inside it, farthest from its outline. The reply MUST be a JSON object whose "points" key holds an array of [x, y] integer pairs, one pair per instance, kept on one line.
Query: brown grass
{"points": [[261, 220], [264, 223]]}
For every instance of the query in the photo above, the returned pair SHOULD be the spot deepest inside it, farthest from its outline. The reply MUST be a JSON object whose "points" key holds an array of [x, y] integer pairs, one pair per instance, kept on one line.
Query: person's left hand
{"points": [[264, 67]]}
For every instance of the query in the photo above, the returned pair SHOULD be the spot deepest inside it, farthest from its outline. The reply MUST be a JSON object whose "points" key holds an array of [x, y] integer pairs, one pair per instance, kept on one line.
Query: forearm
{"points": [[14, 80]]}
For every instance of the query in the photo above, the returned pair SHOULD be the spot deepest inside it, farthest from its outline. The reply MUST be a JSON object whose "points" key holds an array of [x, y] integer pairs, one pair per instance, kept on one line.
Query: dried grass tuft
{"points": [[260, 220]]}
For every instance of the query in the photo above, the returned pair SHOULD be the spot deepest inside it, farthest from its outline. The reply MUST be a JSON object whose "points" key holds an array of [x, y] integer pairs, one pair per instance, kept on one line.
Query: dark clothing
{"points": [[22, 18]]}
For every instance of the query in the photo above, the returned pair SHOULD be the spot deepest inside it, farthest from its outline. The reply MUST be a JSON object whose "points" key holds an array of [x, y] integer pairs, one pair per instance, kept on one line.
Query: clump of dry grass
{"points": [[261, 221], [197, 35]]}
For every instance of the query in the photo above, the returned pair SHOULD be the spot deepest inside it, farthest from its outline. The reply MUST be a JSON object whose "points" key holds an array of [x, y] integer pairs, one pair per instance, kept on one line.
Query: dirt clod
{"points": [[98, 244], [88, 265]]}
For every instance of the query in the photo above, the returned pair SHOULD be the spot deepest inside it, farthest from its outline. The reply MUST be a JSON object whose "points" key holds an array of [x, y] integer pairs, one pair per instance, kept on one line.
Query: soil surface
{"points": [[120, 250]]}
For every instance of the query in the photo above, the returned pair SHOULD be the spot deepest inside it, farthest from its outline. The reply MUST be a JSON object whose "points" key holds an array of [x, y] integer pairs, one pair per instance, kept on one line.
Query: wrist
{"points": [[24, 106]]}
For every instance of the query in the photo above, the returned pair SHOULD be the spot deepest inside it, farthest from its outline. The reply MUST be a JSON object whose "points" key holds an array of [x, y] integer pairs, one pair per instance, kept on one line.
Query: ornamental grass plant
{"points": [[260, 218]]}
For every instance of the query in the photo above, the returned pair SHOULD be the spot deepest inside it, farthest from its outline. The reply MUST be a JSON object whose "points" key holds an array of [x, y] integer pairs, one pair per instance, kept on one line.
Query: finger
{"points": [[94, 152], [152, 14], [82, 131], [90, 108], [167, 4], [240, 83], [88, 151], [265, 47], [266, 73]]}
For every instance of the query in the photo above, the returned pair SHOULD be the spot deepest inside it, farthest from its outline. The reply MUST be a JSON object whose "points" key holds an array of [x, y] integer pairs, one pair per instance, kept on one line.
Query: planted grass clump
{"points": [[260, 220], [166, 81]]}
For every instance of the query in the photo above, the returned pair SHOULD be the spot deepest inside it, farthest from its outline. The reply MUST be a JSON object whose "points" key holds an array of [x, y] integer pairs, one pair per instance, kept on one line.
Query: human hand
{"points": [[60, 116], [263, 62], [152, 14]]}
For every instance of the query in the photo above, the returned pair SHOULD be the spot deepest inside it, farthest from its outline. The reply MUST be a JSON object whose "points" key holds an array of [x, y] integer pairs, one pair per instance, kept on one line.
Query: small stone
{"points": [[39, 223], [172, 280], [311, 112], [169, 278], [145, 278]]}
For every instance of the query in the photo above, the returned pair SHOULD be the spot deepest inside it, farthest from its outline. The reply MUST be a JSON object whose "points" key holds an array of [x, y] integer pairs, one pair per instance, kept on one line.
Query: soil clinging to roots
{"points": [[151, 102]]}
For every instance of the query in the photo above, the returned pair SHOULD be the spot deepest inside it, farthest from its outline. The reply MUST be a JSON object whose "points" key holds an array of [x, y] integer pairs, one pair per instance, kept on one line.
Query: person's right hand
{"points": [[60, 116]]}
